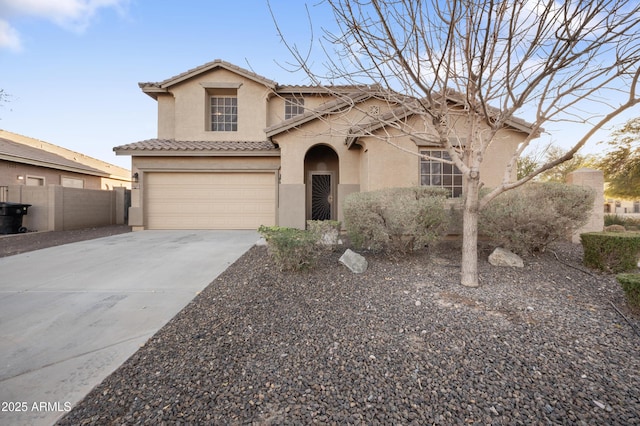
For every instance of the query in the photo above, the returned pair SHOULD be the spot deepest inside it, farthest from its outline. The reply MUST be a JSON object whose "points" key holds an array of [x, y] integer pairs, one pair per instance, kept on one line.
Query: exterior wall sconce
{"points": [[20, 177], [135, 177]]}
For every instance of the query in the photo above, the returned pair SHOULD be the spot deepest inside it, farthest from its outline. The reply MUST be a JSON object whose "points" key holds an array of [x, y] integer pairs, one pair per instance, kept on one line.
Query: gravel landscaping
{"points": [[402, 343], [12, 244]]}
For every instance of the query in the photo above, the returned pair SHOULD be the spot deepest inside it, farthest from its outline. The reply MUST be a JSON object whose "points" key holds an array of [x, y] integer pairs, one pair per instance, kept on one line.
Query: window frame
{"points": [[293, 106], [223, 116], [440, 174]]}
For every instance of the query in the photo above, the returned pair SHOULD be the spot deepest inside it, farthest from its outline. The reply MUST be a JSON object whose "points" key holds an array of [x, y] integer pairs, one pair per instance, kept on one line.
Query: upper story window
{"points": [[224, 113], [293, 106], [436, 173]]}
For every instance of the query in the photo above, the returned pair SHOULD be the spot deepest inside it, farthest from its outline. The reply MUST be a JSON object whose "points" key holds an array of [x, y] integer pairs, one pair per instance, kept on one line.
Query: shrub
{"points": [[630, 223], [614, 228], [396, 220], [613, 219], [611, 252], [529, 218], [291, 249], [631, 286], [326, 232]]}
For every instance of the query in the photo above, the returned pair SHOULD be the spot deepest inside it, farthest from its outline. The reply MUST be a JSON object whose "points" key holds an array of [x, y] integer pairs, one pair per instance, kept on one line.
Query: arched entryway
{"points": [[321, 168]]}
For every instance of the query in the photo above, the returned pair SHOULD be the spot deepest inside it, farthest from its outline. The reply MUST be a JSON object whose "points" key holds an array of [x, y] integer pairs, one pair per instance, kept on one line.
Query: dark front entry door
{"points": [[321, 196]]}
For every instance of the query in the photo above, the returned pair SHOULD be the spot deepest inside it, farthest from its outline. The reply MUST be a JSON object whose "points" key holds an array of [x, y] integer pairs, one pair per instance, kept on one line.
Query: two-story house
{"points": [[236, 150]]}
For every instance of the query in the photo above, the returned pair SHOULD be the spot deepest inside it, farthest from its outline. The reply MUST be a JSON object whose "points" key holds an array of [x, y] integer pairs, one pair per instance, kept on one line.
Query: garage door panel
{"points": [[209, 200]]}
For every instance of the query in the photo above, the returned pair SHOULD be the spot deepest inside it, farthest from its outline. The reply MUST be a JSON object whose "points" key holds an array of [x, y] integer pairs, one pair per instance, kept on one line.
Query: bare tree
{"points": [[483, 63], [4, 97]]}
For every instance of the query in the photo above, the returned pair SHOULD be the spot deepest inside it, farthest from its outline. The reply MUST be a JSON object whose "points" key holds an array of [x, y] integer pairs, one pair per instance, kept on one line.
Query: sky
{"points": [[71, 68]]}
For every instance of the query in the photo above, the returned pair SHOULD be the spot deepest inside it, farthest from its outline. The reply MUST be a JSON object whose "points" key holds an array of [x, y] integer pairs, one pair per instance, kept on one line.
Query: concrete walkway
{"points": [[70, 315]]}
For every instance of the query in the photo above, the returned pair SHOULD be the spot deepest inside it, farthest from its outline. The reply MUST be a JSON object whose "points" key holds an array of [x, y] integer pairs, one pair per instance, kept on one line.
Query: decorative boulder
{"points": [[503, 257], [355, 262]]}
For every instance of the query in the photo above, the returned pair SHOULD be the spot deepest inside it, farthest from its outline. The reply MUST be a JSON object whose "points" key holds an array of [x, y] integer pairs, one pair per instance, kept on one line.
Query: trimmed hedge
{"points": [[611, 251], [529, 218], [631, 286], [291, 249], [396, 220]]}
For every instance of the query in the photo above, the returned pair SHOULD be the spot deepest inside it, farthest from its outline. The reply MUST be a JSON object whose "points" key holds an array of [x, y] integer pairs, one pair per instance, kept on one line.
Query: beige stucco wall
{"points": [[185, 114], [166, 116], [397, 163], [371, 164], [389, 159], [56, 208], [593, 179]]}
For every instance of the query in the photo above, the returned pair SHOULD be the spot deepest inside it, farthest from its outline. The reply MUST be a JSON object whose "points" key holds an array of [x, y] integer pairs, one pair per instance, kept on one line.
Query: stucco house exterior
{"points": [[236, 150], [32, 162]]}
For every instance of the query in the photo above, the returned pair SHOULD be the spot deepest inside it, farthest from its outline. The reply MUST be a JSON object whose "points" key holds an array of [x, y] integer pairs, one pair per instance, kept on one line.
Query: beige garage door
{"points": [[209, 200]]}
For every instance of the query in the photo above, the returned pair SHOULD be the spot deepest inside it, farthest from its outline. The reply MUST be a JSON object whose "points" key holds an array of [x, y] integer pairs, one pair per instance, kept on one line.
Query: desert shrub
{"points": [[326, 232], [613, 219], [529, 218], [630, 223], [396, 220], [611, 252], [631, 286], [291, 249], [614, 228]]}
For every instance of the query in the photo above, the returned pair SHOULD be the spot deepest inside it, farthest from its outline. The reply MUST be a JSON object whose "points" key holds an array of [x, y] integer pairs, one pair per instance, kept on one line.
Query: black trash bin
{"points": [[11, 217]]}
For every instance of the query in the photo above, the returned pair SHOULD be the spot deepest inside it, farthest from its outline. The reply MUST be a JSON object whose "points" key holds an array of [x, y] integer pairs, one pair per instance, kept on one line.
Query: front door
{"points": [[321, 195]]}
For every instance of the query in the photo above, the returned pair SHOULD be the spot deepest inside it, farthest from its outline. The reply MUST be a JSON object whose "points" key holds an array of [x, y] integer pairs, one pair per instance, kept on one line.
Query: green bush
{"points": [[613, 219], [396, 220], [326, 232], [630, 223], [529, 218], [631, 286], [291, 249], [611, 251]]}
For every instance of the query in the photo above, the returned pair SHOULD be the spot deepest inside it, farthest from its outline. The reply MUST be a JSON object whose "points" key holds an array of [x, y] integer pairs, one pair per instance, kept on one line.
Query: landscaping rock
{"points": [[534, 345], [354, 261], [503, 257]]}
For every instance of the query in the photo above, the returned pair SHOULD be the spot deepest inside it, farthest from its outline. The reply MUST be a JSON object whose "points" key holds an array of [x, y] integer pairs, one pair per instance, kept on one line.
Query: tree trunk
{"points": [[469, 271]]}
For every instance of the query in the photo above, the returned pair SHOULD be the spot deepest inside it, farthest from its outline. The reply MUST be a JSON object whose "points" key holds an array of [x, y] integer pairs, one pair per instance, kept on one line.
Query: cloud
{"points": [[9, 37], [72, 15]]}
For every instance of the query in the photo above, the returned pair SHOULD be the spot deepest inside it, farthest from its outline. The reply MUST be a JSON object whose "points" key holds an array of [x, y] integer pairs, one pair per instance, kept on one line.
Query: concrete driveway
{"points": [[70, 315]]}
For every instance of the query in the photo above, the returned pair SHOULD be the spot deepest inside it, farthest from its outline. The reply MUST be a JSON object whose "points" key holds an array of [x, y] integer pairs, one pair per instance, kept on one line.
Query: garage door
{"points": [[209, 200]]}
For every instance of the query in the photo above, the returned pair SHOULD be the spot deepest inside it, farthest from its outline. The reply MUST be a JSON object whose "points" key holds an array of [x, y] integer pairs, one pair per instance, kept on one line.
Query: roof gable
{"points": [[409, 108], [152, 89], [344, 100]]}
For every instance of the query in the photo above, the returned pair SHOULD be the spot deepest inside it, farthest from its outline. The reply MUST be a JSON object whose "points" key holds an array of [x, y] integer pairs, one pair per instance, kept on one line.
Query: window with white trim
{"points": [[224, 113], [293, 106], [434, 172]]}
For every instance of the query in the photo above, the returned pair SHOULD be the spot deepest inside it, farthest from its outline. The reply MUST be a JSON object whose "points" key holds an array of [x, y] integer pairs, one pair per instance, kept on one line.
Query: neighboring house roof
{"points": [[171, 146], [152, 89], [22, 149]]}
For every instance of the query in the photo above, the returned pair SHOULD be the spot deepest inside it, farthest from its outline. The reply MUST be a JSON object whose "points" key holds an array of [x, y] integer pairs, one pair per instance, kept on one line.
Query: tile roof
{"points": [[20, 153], [217, 63], [31, 149], [333, 105], [173, 145]]}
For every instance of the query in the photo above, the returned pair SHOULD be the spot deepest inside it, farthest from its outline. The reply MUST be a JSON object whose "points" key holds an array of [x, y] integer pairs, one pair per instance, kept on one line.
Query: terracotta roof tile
{"points": [[217, 63], [174, 145]]}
